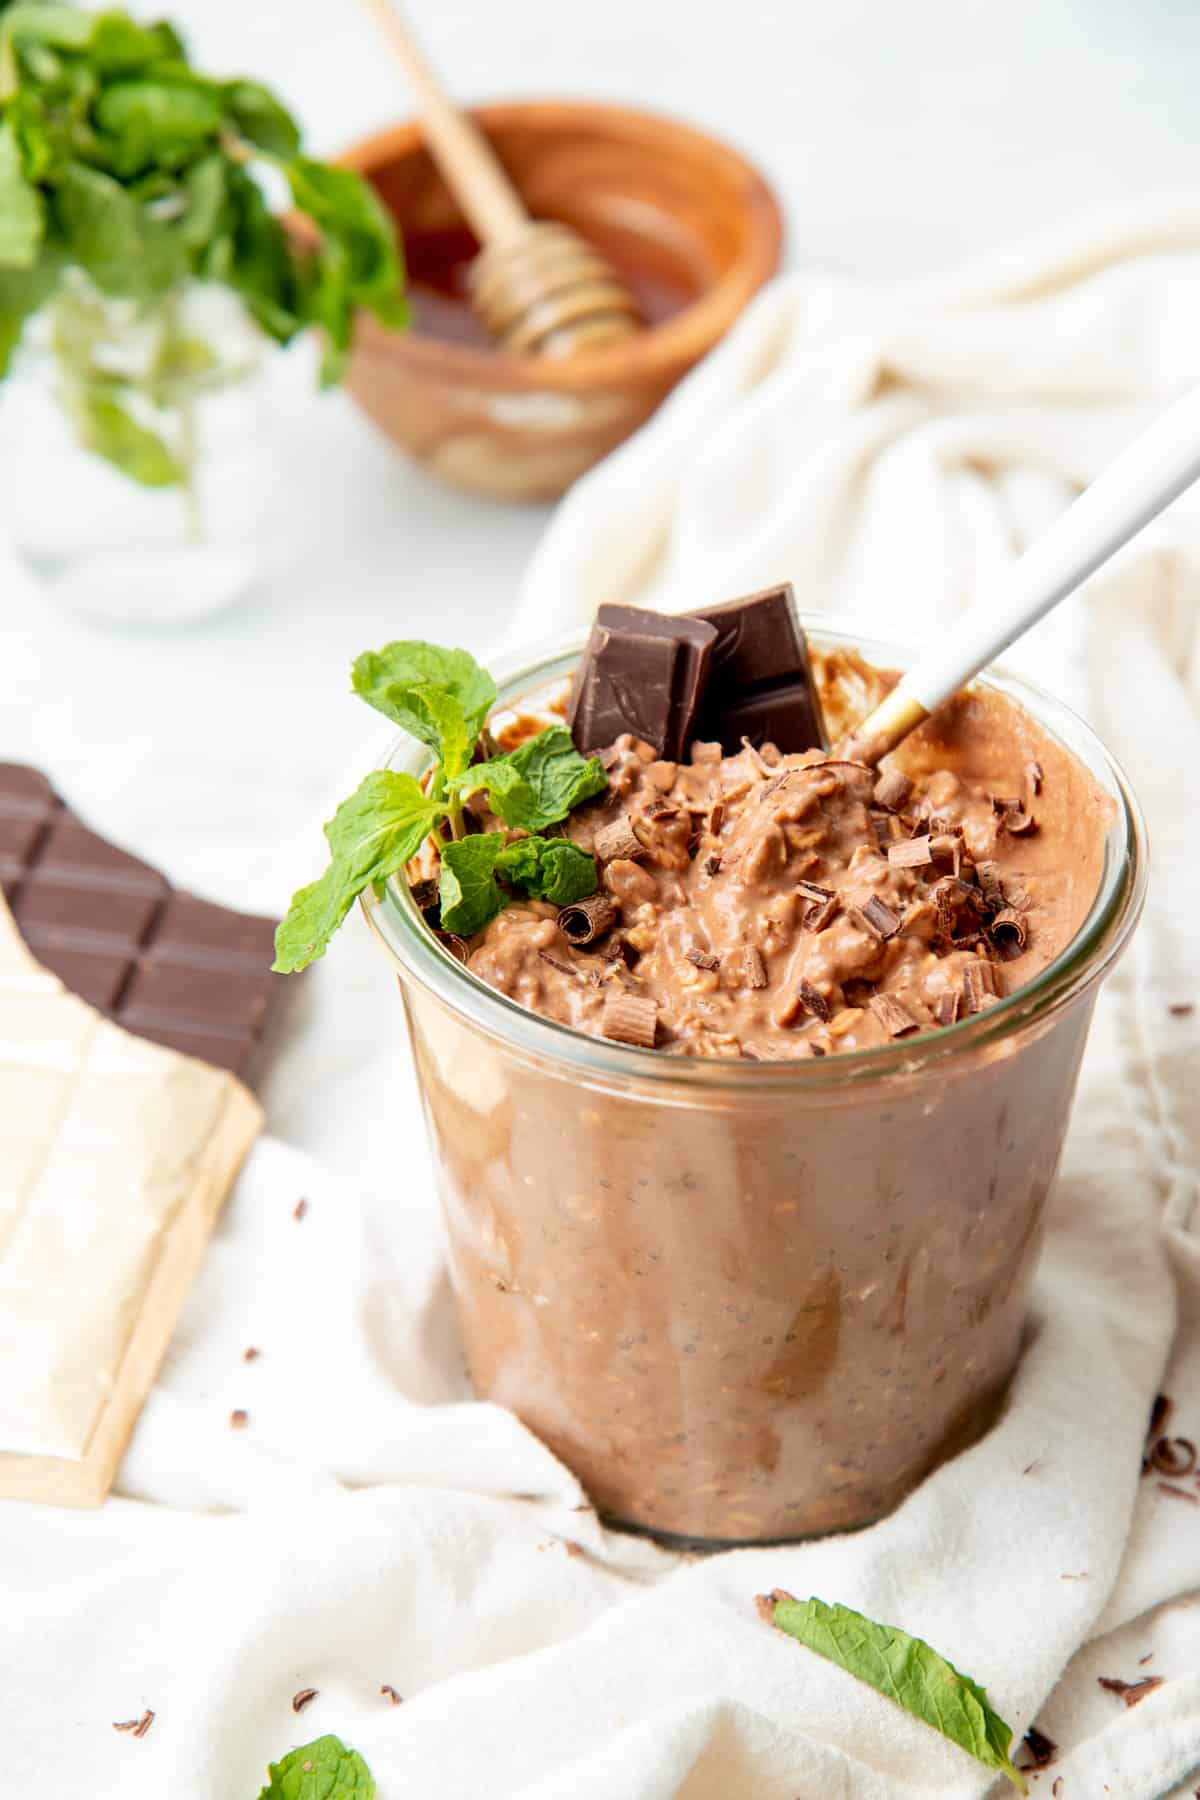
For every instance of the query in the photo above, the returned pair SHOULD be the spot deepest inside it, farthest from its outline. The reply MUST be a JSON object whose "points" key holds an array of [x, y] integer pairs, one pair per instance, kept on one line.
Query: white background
{"points": [[902, 136]]}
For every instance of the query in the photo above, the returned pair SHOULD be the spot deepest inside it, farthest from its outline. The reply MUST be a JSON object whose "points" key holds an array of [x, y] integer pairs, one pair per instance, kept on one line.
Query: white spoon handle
{"points": [[1145, 478]]}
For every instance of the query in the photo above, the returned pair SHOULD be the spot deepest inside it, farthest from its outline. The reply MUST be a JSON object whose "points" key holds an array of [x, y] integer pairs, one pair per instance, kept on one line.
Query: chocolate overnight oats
{"points": [[744, 1147]]}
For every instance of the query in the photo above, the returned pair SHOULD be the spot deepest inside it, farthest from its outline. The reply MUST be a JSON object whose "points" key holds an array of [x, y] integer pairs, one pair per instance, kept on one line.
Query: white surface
{"points": [[373, 1540]]}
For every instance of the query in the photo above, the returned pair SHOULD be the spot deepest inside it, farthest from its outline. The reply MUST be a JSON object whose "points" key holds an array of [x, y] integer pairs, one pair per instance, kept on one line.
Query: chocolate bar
{"points": [[760, 680], [162, 963], [641, 672]]}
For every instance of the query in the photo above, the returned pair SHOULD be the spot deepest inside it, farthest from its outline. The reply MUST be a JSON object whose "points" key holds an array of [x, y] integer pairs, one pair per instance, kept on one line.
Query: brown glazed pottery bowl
{"points": [[694, 230]]}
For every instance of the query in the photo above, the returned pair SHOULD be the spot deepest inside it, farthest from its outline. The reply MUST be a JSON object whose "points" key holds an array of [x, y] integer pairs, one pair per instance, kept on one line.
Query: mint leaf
{"points": [[468, 892], [904, 1669], [261, 120], [113, 238], [539, 783], [157, 121], [401, 681], [22, 224], [108, 430], [323, 1770], [553, 869], [372, 835]]}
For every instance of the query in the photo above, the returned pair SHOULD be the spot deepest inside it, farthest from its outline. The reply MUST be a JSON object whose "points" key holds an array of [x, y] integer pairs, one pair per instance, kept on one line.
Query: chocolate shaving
{"points": [[588, 976], [990, 884], [878, 918], [1041, 1748], [753, 970], [617, 841], [1130, 1691], [630, 1019], [1160, 1412], [658, 810], [819, 914], [1166, 1487], [881, 825], [1008, 933], [1173, 1456], [811, 890], [813, 1001], [703, 959], [251, 1354], [239, 1418], [136, 1727], [712, 864], [1181, 1009], [911, 853], [587, 920], [979, 985], [299, 1210], [301, 1700], [389, 1693], [895, 1018], [1034, 776], [892, 790], [456, 945], [425, 893], [1013, 817], [716, 818], [946, 1010], [945, 847]]}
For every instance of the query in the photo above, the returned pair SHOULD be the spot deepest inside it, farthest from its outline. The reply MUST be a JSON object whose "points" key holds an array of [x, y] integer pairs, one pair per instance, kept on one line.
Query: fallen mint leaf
{"points": [[905, 1670], [323, 1770]]}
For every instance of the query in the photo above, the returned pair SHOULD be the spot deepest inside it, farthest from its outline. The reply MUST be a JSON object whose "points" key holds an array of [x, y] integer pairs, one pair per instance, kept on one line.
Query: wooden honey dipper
{"points": [[538, 287]]}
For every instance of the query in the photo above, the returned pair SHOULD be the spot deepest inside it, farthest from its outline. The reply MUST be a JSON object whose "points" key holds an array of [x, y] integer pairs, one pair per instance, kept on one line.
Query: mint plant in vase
{"points": [[145, 267]]}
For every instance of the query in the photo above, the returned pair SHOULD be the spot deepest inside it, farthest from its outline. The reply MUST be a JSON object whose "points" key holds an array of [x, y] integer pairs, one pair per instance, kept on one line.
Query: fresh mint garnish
{"points": [[323, 1770], [372, 835], [442, 697], [905, 1669], [540, 782], [470, 896]]}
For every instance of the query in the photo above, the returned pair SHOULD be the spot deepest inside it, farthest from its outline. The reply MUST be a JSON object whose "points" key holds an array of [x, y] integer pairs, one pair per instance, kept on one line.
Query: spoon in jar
{"points": [[1153, 471]]}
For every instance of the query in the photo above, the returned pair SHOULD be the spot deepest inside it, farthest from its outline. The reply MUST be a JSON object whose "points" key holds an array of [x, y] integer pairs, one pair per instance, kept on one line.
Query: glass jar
{"points": [[136, 467], [751, 1301]]}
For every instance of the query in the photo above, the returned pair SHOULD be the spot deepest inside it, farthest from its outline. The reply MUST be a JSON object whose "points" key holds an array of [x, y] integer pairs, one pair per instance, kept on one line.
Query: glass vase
{"points": [[136, 463]]}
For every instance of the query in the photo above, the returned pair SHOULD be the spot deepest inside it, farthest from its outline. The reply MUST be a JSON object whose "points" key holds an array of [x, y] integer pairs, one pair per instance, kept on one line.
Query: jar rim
{"points": [[397, 922]]}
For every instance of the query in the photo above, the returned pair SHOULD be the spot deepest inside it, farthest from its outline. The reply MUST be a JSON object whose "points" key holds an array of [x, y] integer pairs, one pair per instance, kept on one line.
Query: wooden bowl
{"points": [[691, 226]]}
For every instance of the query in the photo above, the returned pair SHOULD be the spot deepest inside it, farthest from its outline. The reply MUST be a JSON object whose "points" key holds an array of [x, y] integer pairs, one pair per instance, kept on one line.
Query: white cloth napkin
{"points": [[884, 449]]}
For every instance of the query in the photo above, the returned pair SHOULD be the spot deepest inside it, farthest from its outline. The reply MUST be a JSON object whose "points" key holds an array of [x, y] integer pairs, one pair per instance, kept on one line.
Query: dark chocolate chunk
{"points": [[761, 684], [641, 672], [163, 964]]}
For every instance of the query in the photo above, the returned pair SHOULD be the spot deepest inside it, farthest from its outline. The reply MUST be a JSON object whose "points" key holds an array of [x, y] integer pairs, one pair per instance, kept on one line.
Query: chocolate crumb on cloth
{"points": [[162, 963]]}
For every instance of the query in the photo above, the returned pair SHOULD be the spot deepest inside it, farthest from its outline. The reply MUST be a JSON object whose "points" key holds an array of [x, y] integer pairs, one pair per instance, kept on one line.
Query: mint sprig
{"points": [[122, 163], [442, 697], [905, 1670], [322, 1770]]}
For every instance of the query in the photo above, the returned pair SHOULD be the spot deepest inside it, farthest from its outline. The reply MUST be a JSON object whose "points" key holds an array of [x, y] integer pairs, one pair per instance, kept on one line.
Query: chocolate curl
{"points": [[585, 921], [617, 841], [630, 1019], [892, 790]]}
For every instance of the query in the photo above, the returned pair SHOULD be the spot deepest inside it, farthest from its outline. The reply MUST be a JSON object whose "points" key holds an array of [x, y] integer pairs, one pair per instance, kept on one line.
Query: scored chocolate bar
{"points": [[163, 964], [641, 672], [760, 683]]}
